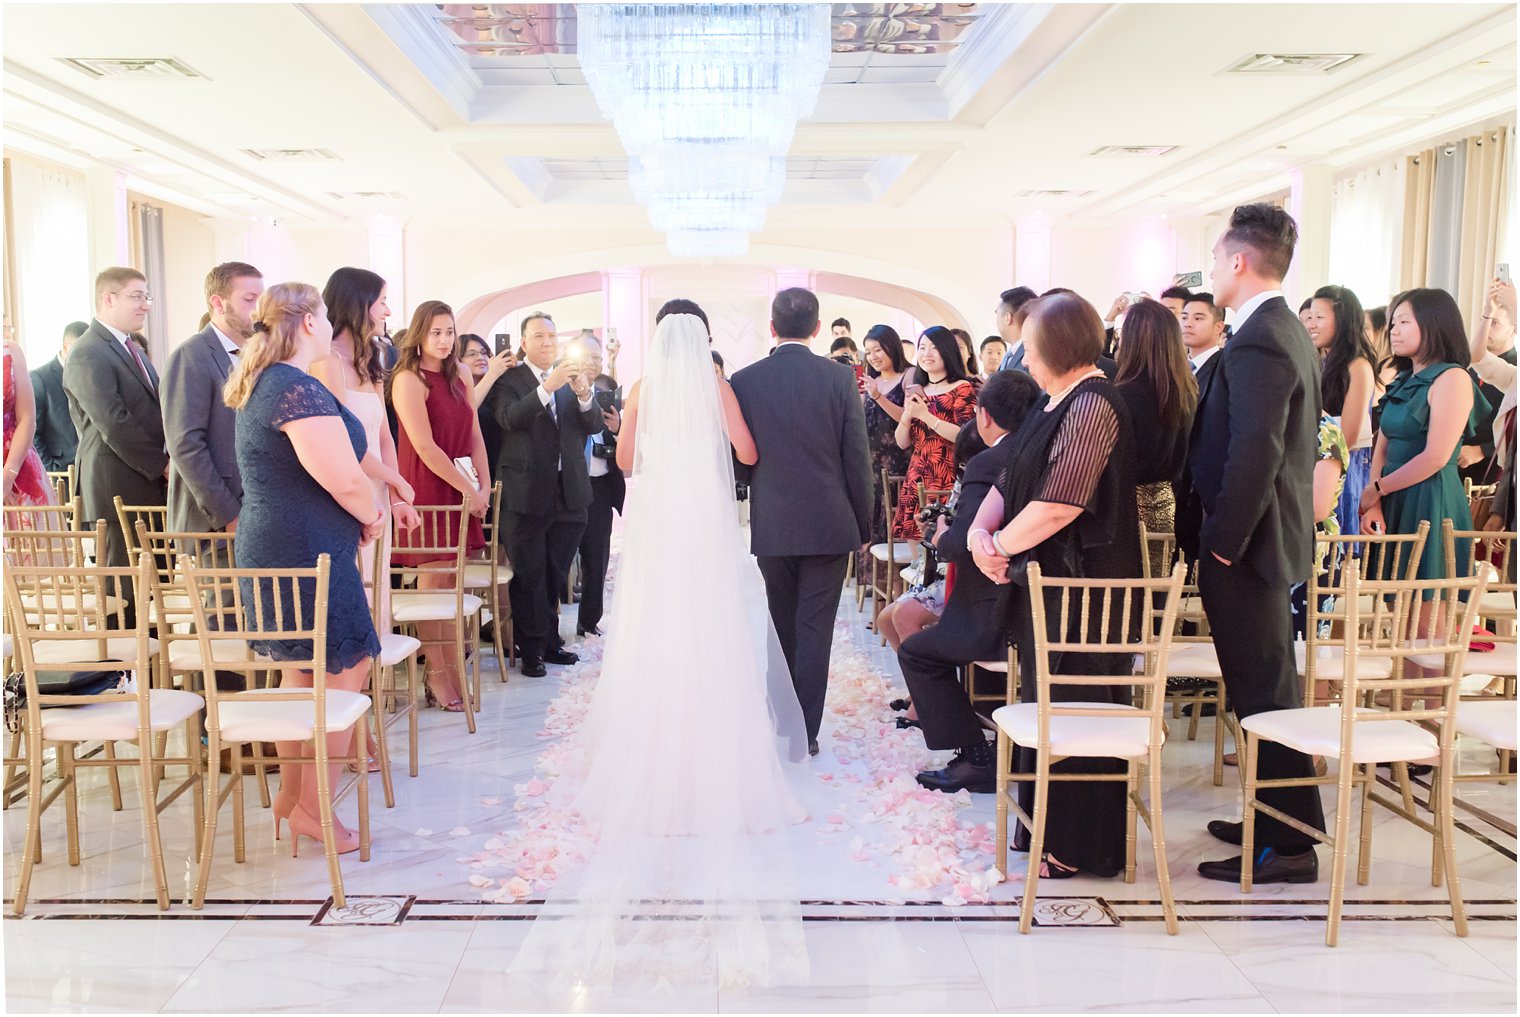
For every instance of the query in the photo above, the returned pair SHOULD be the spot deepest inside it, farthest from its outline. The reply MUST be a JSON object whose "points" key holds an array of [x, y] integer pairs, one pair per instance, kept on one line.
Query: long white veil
{"points": [[688, 765]]}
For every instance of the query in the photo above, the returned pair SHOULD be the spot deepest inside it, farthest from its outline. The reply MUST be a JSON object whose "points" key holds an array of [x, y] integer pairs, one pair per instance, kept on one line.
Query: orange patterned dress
{"points": [[933, 461]]}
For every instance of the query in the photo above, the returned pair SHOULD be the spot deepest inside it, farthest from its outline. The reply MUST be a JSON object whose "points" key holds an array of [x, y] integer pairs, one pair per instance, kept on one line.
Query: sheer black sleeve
{"points": [[1080, 452]]}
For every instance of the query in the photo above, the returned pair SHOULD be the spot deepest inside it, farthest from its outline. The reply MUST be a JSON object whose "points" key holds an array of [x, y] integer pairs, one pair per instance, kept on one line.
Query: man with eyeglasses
{"points": [[113, 397]]}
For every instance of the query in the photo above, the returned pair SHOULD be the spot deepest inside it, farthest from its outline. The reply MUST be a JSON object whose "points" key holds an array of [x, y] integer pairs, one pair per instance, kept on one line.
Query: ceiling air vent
{"points": [[1141, 151], [1055, 194], [289, 154], [360, 195], [138, 68], [1292, 63]]}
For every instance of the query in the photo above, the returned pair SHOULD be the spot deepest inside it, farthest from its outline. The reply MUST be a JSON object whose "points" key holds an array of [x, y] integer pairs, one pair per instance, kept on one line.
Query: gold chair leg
{"points": [[1219, 726], [260, 772], [212, 793], [361, 737], [152, 840], [465, 690], [113, 776], [1364, 846], [239, 820], [1441, 794], [1339, 849], [195, 770], [10, 768], [325, 807], [1158, 844], [1036, 843], [1245, 751], [67, 771], [1000, 827], [382, 750], [33, 847], [1131, 790], [413, 705]]}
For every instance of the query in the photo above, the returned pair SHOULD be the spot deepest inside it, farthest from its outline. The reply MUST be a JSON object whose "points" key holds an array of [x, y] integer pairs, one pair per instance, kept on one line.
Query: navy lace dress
{"points": [[288, 519]]}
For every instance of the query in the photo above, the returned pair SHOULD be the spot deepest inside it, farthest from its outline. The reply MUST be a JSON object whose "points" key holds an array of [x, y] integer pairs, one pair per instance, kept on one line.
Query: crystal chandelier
{"points": [[705, 98]]}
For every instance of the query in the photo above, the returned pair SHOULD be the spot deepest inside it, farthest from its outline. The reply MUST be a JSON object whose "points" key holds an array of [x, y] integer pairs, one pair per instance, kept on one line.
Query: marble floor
{"points": [[419, 936]]}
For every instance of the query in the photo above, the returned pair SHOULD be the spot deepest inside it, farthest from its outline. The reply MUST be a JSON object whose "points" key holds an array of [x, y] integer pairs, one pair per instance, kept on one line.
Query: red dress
{"points": [[453, 420], [31, 487], [933, 461]]}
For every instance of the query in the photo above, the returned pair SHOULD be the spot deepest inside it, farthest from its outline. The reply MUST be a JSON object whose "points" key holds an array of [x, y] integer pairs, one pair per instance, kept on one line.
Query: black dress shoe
{"points": [[1270, 867], [961, 775], [488, 632], [560, 655], [813, 747], [590, 630], [533, 667], [1227, 831]]}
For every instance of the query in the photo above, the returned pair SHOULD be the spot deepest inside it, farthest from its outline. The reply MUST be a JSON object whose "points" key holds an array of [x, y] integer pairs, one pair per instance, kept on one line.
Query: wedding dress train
{"points": [[689, 766]]}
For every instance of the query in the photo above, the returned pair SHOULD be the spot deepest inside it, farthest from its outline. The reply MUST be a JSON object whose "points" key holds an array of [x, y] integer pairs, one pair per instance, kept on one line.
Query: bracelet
{"points": [[998, 544]]}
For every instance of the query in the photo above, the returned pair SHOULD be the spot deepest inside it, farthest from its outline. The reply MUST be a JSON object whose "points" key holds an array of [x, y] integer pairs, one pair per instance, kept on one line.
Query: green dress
{"points": [[1405, 424]]}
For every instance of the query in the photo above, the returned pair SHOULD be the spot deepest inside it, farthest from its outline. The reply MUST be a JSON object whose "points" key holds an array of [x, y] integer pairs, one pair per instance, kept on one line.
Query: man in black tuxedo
{"points": [[113, 394], [607, 492], [546, 412], [1252, 458], [1203, 338], [57, 442], [970, 628], [810, 493]]}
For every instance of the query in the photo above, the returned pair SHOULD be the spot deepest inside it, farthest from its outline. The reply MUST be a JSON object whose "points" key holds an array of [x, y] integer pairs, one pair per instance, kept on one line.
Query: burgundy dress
{"points": [[453, 422]]}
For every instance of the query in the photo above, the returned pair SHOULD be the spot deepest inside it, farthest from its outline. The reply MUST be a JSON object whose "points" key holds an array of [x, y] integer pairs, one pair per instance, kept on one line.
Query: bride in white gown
{"points": [[688, 767]]}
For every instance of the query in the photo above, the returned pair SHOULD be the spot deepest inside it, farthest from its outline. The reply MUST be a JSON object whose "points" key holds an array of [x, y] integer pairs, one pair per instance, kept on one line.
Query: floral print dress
{"points": [[933, 459]]}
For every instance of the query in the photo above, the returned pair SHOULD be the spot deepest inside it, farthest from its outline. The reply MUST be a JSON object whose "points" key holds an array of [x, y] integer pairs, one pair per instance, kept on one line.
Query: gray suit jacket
{"points": [[205, 487], [811, 491]]}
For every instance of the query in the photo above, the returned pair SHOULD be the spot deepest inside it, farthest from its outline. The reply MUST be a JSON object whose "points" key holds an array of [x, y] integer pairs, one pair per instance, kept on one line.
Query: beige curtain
{"points": [[1419, 198], [1485, 204]]}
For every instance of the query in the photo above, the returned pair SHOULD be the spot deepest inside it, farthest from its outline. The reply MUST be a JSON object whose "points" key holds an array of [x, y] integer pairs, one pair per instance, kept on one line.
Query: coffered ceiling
{"points": [[943, 114]]}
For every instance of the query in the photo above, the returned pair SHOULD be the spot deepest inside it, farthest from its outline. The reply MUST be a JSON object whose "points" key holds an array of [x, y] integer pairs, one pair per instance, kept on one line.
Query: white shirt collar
{"points": [[227, 344], [121, 336], [1249, 307], [1203, 357], [999, 440]]}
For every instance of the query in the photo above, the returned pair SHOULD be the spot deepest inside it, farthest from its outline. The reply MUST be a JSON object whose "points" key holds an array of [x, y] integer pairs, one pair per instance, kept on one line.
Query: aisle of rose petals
{"points": [[876, 813]]}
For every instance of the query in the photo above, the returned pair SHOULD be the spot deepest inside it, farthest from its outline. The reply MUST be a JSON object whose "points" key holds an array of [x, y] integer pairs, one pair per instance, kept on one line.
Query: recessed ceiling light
{"points": [[1141, 151], [141, 68], [1292, 63]]}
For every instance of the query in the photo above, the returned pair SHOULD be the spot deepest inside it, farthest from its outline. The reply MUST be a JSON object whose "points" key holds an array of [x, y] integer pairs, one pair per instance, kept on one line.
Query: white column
{"points": [[1031, 255], [790, 278], [106, 198], [387, 257], [1309, 205], [625, 307]]}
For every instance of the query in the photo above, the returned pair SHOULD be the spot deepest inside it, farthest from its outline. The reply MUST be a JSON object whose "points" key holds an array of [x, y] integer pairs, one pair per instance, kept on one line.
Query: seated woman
{"points": [[1068, 503]]}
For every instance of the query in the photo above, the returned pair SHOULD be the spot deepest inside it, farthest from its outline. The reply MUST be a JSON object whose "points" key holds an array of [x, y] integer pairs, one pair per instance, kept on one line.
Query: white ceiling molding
{"points": [[1025, 39], [96, 115], [1426, 64]]}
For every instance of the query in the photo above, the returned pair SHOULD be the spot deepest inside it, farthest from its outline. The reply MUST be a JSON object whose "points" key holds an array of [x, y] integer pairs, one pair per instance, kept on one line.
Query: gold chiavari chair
{"points": [[1379, 617], [1493, 550], [64, 517], [54, 635], [155, 517], [443, 556], [486, 578], [394, 648], [273, 610], [889, 558], [1091, 616], [65, 483]]}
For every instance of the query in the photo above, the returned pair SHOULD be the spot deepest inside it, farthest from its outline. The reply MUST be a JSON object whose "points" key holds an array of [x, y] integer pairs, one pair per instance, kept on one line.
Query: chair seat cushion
{"points": [[1000, 666], [1492, 722], [246, 719], [176, 605], [394, 648], [1317, 731], [477, 574], [1123, 736], [1193, 660], [123, 648], [185, 654], [1331, 662], [416, 607], [901, 553], [6, 645], [118, 721], [1500, 604], [1498, 662]]}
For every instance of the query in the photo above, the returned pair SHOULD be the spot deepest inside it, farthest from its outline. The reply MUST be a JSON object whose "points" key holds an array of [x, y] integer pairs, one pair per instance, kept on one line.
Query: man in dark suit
{"points": [[57, 442], [1203, 338], [205, 486], [607, 492], [1252, 458], [970, 628], [1010, 324], [546, 411], [810, 493]]}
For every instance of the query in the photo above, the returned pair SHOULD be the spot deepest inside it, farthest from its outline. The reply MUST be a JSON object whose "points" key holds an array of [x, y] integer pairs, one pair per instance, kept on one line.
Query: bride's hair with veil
{"points": [[680, 305]]}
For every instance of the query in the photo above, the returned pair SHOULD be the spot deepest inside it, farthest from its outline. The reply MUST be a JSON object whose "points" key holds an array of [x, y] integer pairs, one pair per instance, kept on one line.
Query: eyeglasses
{"points": [[135, 297]]}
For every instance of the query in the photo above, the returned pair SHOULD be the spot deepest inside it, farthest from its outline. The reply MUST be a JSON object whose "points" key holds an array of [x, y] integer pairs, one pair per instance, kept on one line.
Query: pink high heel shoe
{"points": [[303, 825]]}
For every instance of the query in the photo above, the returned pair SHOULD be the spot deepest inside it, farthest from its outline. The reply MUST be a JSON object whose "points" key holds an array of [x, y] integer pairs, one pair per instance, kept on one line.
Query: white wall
{"points": [[189, 253]]}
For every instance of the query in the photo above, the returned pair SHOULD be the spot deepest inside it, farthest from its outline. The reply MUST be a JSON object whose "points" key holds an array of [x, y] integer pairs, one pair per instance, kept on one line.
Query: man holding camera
{"points": [[546, 411], [607, 489]]}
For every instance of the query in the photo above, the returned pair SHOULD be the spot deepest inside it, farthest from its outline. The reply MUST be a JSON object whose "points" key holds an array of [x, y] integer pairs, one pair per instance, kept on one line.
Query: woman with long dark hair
{"points": [[1161, 393], [1348, 385], [936, 403], [433, 401], [881, 386]]}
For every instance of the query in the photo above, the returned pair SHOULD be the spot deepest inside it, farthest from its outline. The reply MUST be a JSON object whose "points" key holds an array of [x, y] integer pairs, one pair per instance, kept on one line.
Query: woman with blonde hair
{"points": [[439, 433], [304, 495]]}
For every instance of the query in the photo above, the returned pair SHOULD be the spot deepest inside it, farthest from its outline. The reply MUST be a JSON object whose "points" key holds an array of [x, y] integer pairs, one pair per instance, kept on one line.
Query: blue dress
{"points": [[288, 519]]}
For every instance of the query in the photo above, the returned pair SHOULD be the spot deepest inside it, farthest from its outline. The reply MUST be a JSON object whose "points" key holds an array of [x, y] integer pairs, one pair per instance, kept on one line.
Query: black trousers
{"points": [[541, 548], [803, 593], [1252, 625], [596, 548], [966, 632]]}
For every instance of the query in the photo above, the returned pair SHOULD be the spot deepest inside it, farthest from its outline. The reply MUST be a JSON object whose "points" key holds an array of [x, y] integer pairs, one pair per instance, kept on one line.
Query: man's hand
{"points": [[1470, 455], [560, 376], [1118, 307], [579, 383], [612, 418]]}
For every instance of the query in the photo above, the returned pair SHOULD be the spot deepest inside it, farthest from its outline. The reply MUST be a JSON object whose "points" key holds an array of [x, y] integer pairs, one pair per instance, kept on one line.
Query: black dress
{"points": [[881, 438], [1078, 452]]}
